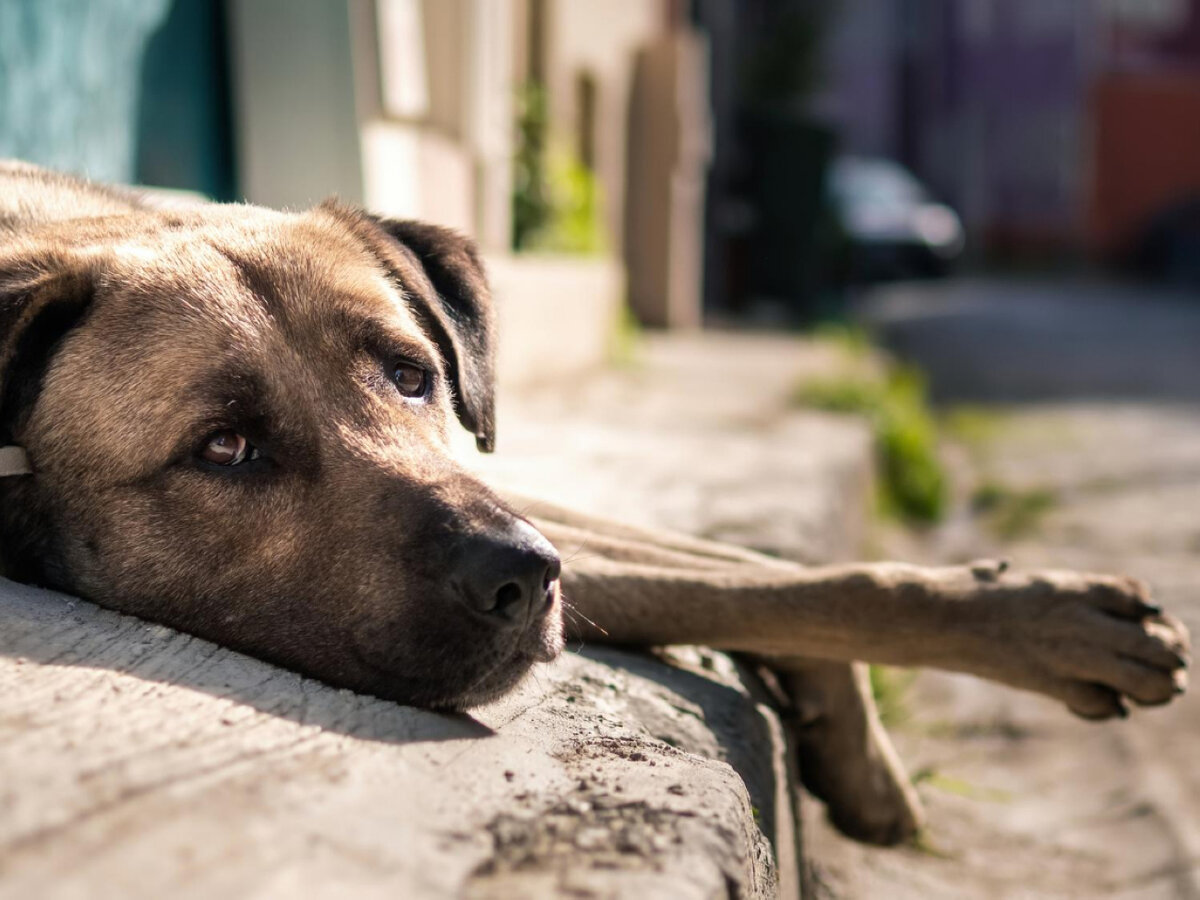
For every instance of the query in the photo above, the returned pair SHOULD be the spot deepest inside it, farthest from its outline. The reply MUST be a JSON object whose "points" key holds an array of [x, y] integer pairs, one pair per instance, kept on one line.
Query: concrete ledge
{"points": [[698, 435], [140, 762]]}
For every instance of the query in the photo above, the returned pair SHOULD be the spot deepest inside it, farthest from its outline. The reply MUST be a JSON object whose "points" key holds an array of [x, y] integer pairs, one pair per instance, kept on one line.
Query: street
{"points": [[1087, 456]]}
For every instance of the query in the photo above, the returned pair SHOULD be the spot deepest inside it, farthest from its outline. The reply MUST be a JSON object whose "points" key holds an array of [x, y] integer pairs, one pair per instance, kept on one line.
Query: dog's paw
{"points": [[1095, 642]]}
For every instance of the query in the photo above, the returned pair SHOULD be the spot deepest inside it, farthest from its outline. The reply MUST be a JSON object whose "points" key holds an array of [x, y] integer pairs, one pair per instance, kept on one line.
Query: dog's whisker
{"points": [[573, 616], [575, 553], [581, 556], [576, 611]]}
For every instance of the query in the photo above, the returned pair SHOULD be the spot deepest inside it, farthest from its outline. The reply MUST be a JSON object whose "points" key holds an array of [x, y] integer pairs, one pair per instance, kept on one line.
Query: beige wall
{"points": [[294, 101], [600, 37], [670, 149], [556, 316], [313, 118]]}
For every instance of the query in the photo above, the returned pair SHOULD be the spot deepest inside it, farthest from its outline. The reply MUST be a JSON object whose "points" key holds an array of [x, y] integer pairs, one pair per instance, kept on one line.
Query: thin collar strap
{"points": [[14, 461]]}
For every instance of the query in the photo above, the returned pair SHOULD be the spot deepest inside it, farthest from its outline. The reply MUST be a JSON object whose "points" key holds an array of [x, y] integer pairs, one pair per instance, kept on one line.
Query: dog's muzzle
{"points": [[14, 461]]}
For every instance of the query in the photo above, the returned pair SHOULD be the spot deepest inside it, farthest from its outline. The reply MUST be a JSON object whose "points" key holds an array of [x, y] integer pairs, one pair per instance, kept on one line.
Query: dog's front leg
{"points": [[845, 756], [1088, 640]]}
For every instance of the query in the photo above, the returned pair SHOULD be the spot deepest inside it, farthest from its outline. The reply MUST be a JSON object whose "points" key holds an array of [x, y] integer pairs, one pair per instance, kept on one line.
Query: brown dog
{"points": [[236, 422]]}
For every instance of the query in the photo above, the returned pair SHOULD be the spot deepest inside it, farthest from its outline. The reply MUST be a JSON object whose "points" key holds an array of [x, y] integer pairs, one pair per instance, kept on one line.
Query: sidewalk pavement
{"points": [[697, 434]]}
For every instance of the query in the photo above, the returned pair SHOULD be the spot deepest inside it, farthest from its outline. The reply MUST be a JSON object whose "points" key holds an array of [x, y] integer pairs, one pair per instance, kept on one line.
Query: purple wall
{"points": [[987, 100]]}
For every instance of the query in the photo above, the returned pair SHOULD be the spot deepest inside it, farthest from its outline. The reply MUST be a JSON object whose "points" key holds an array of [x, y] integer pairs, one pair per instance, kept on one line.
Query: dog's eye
{"points": [[228, 448], [411, 381]]}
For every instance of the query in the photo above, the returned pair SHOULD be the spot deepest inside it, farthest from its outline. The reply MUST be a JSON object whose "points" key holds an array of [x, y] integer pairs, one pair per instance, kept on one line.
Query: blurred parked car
{"points": [[891, 225]]}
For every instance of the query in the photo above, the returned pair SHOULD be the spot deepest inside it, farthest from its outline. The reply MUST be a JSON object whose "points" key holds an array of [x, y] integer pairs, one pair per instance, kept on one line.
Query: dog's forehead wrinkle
{"points": [[403, 277], [314, 282], [194, 282]]}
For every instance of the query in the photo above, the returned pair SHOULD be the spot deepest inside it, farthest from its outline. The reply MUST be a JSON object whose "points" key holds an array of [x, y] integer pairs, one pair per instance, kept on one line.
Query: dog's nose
{"points": [[509, 577]]}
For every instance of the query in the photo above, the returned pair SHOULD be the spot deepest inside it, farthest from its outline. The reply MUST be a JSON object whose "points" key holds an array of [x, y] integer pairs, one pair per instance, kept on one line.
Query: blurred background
{"points": [[907, 278], [731, 158]]}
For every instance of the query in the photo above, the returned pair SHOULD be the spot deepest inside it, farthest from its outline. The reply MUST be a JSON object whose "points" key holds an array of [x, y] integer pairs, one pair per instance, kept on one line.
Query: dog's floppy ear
{"points": [[457, 313], [42, 298]]}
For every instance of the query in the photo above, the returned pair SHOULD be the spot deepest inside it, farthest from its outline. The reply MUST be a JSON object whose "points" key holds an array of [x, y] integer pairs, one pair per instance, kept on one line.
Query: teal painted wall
{"points": [[69, 75], [185, 127], [118, 90]]}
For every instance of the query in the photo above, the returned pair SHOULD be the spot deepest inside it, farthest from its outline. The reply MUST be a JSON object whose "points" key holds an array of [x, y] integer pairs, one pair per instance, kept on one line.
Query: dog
{"points": [[237, 422]]}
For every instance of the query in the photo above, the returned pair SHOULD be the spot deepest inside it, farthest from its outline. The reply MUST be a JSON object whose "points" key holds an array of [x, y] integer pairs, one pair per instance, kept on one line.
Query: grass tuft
{"points": [[625, 339], [896, 402], [960, 787], [889, 687], [1012, 512]]}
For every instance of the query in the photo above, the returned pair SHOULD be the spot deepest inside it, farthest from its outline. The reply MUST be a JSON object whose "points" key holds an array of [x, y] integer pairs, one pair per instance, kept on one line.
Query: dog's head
{"points": [[238, 423]]}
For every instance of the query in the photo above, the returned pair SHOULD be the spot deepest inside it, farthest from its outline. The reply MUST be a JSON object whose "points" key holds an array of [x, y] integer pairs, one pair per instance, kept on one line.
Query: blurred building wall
{"points": [[669, 148], [1146, 154], [858, 92], [294, 91], [406, 107], [983, 99], [403, 106], [627, 85]]}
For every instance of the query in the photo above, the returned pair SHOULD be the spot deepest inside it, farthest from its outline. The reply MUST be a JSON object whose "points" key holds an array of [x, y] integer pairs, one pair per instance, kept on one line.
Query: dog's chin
{"points": [[468, 685], [541, 644]]}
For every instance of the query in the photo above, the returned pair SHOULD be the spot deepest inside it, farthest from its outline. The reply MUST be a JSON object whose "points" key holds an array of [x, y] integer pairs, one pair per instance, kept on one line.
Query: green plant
{"points": [[889, 687], [574, 224], [625, 339], [908, 436], [556, 198], [896, 402], [976, 428], [853, 340], [1012, 512], [531, 194], [951, 784]]}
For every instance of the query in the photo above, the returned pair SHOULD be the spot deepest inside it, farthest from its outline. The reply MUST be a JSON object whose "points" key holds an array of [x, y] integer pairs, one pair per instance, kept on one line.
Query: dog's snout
{"points": [[509, 577]]}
